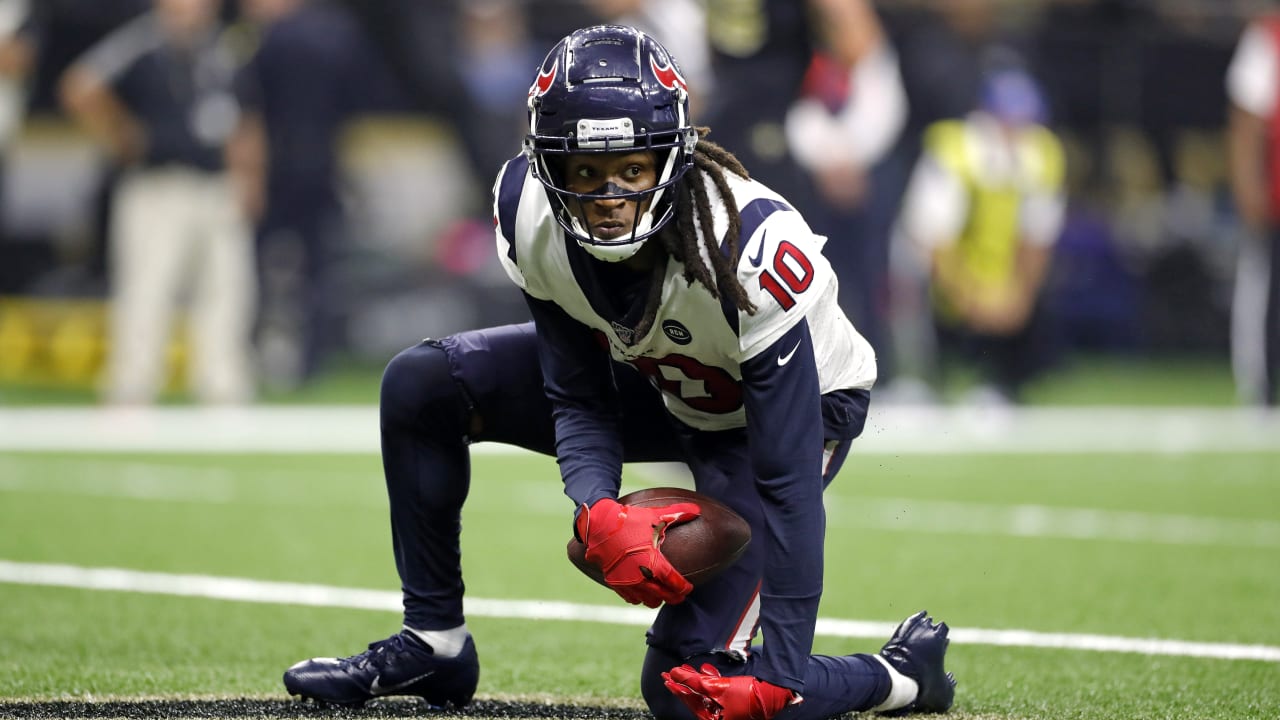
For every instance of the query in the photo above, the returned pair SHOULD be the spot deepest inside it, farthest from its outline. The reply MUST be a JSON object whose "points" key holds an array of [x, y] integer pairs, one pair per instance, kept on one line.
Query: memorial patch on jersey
{"points": [[678, 333]]}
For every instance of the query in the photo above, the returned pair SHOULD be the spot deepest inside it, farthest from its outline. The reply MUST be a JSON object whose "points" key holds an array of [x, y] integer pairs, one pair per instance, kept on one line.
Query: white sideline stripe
{"points": [[891, 429], [259, 591]]}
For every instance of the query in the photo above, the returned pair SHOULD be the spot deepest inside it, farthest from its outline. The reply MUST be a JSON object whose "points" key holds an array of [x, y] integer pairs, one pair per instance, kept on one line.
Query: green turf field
{"points": [[1083, 379], [1175, 547]]}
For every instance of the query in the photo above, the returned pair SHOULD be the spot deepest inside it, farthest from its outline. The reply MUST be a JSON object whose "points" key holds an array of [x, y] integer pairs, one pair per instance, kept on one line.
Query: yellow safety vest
{"points": [[987, 247]]}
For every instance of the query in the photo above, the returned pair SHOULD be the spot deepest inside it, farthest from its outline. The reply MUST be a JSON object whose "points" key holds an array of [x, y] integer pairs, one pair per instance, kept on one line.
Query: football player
{"points": [[681, 312]]}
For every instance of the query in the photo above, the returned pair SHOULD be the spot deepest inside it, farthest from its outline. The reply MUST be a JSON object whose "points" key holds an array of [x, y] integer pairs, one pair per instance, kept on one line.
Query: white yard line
{"points": [[258, 591], [891, 429]]}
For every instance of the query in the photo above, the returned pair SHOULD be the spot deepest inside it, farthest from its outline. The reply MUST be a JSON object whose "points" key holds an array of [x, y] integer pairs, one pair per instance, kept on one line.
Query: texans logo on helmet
{"points": [[667, 75], [543, 83]]}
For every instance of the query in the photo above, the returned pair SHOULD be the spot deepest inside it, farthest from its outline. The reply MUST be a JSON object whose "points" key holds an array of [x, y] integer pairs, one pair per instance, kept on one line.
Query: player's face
{"points": [[607, 173]]}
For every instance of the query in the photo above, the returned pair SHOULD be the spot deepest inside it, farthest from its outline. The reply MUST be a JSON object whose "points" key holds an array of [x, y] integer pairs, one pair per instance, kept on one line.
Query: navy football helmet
{"points": [[605, 89]]}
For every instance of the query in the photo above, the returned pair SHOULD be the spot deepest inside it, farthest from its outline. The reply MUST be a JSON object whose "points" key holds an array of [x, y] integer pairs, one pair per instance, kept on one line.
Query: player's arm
{"points": [[17, 53], [852, 106], [935, 203], [578, 381], [1031, 269], [1251, 89], [849, 29], [90, 101], [1040, 217], [785, 439], [246, 158], [625, 542], [247, 149], [935, 208], [87, 91], [1246, 153]]}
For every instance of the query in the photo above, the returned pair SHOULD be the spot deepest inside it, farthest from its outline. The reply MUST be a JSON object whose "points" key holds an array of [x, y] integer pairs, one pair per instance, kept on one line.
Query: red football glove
{"points": [[624, 541], [713, 697]]}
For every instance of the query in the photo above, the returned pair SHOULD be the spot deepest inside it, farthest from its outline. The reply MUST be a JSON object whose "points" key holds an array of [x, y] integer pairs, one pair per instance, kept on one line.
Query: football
{"points": [[699, 549]]}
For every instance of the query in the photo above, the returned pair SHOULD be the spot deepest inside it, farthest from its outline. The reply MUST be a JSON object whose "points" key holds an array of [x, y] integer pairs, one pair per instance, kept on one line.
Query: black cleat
{"points": [[916, 650], [400, 665]]}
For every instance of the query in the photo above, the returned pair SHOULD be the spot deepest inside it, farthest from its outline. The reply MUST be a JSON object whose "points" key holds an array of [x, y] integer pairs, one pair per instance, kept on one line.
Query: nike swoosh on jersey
{"points": [[759, 258], [375, 688], [784, 359]]}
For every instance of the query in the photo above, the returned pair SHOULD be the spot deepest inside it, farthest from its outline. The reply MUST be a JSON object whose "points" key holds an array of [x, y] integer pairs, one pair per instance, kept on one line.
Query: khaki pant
{"points": [[1255, 319], [176, 236]]}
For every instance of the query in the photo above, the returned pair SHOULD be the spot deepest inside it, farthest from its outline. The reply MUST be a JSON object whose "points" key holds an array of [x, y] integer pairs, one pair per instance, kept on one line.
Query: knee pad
{"points": [[419, 391]]}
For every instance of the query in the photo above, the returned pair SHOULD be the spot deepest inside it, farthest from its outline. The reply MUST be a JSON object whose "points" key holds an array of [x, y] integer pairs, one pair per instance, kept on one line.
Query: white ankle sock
{"points": [[445, 643], [902, 690]]}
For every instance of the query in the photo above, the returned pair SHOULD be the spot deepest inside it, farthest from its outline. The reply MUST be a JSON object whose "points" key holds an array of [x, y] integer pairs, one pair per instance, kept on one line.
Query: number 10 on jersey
{"points": [[791, 274]]}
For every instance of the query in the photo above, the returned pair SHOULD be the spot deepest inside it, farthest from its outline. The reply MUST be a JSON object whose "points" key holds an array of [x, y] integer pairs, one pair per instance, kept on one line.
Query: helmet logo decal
{"points": [[667, 75], [543, 83]]}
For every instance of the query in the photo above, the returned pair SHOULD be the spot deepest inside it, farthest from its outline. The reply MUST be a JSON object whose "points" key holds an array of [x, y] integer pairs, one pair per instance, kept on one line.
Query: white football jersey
{"points": [[695, 348]]}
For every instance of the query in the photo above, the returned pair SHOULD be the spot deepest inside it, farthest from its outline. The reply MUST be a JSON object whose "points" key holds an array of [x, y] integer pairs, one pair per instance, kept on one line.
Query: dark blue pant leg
{"points": [[424, 421], [437, 397], [1271, 323], [498, 369], [834, 685], [719, 615]]}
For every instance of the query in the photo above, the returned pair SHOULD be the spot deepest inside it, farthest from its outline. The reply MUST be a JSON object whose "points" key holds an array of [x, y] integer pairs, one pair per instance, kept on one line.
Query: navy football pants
{"points": [[486, 385]]}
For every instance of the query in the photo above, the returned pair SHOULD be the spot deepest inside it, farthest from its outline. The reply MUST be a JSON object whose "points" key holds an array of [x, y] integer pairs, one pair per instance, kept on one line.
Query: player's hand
{"points": [[625, 542], [713, 697]]}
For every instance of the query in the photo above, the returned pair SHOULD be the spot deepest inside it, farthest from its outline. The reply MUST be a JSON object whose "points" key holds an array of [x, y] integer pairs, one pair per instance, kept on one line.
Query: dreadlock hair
{"points": [[693, 213], [679, 239]]}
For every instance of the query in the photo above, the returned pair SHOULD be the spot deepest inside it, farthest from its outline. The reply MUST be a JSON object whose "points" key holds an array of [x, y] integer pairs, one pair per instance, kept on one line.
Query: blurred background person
{"points": [[680, 25], [17, 59], [466, 62], [810, 70], [492, 45], [851, 109], [463, 67], [312, 71], [939, 48], [984, 208], [57, 215], [1253, 144], [1145, 266], [157, 95]]}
